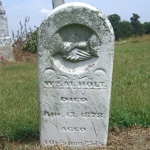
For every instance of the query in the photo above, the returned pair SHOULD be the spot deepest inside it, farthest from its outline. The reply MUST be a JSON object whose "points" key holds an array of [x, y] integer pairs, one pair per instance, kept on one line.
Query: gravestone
{"points": [[75, 63], [7, 52], [5, 41], [57, 3]]}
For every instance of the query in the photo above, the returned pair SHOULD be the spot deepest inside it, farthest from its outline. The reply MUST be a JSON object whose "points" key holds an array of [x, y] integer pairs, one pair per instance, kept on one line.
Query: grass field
{"points": [[130, 103], [131, 83]]}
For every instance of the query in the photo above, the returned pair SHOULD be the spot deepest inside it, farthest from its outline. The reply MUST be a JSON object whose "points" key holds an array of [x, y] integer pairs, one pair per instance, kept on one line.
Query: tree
{"points": [[114, 18], [135, 19], [136, 24], [115, 21], [146, 26], [126, 29]]}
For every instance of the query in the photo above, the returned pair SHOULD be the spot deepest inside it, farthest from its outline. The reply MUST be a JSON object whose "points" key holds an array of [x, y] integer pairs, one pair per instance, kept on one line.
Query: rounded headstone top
{"points": [[75, 35], [2, 11]]}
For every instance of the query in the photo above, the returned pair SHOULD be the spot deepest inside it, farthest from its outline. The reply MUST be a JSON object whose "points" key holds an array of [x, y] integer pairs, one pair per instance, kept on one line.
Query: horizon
{"points": [[16, 10]]}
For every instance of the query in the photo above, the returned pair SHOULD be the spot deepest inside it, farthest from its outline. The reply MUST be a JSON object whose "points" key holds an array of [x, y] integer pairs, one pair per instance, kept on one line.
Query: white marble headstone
{"points": [[75, 63], [5, 40]]}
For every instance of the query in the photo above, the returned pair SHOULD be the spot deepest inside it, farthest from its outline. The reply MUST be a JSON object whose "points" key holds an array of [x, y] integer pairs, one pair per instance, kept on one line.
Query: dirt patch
{"points": [[20, 57], [119, 139], [24, 56]]}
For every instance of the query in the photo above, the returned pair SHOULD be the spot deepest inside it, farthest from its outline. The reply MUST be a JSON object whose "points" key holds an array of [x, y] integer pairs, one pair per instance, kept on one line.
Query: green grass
{"points": [[130, 103], [131, 83], [18, 101]]}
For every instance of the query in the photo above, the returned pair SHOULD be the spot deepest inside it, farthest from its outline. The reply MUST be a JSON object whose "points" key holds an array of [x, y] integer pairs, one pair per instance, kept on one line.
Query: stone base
{"points": [[5, 41], [7, 52]]}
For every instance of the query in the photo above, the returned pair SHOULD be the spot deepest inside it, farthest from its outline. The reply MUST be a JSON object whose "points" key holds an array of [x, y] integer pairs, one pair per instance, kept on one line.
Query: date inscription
{"points": [[83, 115]]}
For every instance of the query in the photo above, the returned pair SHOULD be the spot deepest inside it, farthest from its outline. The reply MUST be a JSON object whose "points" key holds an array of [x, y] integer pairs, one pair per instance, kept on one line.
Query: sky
{"points": [[17, 10]]}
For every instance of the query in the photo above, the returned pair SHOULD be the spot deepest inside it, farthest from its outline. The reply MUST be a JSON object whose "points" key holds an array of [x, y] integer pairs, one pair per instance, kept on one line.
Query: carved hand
{"points": [[70, 51], [77, 55], [76, 51]]}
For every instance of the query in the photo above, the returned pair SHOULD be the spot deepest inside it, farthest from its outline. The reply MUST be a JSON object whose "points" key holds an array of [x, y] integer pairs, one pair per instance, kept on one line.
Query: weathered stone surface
{"points": [[57, 3], [7, 52], [75, 54], [5, 41], [3, 22]]}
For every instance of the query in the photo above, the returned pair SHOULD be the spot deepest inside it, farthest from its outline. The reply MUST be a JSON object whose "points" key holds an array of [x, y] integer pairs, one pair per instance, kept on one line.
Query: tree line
{"points": [[27, 39], [126, 29]]}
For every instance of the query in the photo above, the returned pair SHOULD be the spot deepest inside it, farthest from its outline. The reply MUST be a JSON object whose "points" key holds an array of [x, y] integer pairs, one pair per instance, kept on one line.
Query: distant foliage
{"points": [[146, 26], [26, 39], [126, 29], [30, 44], [137, 25]]}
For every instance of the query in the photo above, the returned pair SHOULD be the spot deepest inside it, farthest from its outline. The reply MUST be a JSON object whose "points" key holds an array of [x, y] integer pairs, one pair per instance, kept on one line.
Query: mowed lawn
{"points": [[130, 102]]}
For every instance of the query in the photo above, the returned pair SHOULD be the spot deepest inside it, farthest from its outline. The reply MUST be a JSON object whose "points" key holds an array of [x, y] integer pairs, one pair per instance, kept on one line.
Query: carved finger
{"points": [[72, 58], [84, 53], [85, 57]]}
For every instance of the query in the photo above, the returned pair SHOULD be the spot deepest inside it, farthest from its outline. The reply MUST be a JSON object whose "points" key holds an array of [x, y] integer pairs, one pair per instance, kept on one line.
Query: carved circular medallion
{"points": [[73, 37]]}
